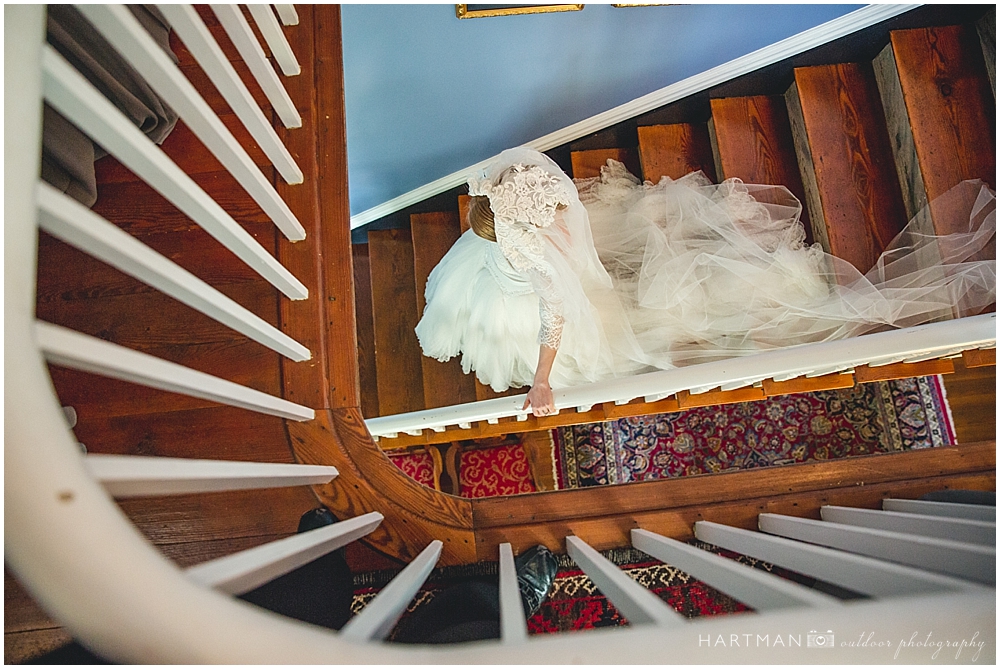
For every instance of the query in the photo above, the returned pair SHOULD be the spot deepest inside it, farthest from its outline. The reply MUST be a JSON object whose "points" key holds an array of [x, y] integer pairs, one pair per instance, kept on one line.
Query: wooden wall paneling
{"points": [[675, 150], [305, 382], [215, 432], [754, 143], [605, 515], [150, 320], [186, 519], [972, 398], [69, 274], [367, 376], [844, 154], [342, 363], [587, 164], [244, 362], [394, 310], [433, 235], [951, 111]]}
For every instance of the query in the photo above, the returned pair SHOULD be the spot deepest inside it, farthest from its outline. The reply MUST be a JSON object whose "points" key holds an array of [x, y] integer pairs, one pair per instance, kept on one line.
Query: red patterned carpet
{"points": [[483, 472], [870, 418]]}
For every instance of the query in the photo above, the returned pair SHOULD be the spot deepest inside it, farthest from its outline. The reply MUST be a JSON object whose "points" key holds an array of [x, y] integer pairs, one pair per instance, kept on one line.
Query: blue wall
{"points": [[428, 94]]}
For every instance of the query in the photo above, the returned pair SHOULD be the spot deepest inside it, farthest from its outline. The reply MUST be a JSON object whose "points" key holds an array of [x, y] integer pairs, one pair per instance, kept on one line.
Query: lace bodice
{"points": [[523, 247]]}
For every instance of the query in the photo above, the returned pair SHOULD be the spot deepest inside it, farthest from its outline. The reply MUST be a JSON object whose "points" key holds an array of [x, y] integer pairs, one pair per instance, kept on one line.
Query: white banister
{"points": [[287, 14], [513, 626], [636, 603], [82, 104], [242, 37], [755, 588], [139, 476], [866, 575], [199, 41], [945, 509], [68, 220], [275, 38], [127, 35], [965, 333], [66, 348], [964, 560], [380, 615], [244, 571], [956, 529]]}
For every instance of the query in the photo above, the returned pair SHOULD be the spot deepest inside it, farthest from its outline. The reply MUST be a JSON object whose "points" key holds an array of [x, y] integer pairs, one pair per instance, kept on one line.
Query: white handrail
{"points": [[127, 35], [199, 41], [140, 476], [80, 102], [68, 220], [241, 34], [942, 338], [66, 348]]}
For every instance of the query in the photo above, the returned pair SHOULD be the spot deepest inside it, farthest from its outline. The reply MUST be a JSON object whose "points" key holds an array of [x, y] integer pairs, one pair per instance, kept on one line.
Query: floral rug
{"points": [[574, 602], [482, 472], [868, 418]]}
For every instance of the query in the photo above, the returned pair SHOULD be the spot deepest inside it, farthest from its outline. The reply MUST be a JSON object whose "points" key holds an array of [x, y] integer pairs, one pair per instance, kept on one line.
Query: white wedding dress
{"points": [[622, 277]]}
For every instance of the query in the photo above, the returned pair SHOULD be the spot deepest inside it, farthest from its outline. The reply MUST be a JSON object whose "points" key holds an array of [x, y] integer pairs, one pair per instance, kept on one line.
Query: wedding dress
{"points": [[622, 277]]}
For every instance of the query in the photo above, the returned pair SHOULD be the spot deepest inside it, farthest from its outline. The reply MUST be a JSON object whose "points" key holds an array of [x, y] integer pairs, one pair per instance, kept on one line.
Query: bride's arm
{"points": [[540, 396]]}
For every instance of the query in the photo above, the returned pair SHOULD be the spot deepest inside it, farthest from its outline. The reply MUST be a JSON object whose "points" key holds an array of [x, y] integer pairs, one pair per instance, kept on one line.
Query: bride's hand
{"points": [[540, 400]]}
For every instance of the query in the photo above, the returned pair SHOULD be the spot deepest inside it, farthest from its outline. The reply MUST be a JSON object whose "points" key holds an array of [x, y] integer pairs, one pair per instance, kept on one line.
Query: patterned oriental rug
{"points": [[482, 472], [575, 603], [869, 418]]}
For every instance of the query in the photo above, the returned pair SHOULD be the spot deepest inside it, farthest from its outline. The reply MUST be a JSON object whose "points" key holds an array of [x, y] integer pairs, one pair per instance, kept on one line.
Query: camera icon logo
{"points": [[817, 640]]}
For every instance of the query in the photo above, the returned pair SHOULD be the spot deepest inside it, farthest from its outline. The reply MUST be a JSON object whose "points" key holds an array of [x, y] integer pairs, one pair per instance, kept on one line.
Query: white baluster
{"points": [[945, 509], [956, 529], [275, 39], [513, 626]]}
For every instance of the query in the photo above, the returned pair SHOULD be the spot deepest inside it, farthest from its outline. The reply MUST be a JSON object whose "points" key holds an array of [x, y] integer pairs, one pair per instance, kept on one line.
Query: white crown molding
{"points": [[768, 55]]}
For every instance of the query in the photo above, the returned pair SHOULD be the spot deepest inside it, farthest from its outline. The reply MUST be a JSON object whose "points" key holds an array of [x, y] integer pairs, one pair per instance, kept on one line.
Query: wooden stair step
{"points": [[844, 154], [753, 142], [587, 164], [433, 235], [394, 316], [941, 114], [367, 374], [675, 150], [483, 392]]}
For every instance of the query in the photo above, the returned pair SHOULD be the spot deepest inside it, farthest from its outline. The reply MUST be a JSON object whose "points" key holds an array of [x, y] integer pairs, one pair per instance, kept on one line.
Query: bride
{"points": [[560, 283]]}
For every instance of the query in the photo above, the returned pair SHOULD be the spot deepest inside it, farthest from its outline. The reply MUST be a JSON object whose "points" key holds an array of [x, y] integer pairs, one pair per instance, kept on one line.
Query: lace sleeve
{"points": [[523, 247]]}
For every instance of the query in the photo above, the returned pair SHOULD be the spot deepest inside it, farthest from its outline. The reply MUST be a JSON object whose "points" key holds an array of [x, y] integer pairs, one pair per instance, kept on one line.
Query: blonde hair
{"points": [[481, 218]]}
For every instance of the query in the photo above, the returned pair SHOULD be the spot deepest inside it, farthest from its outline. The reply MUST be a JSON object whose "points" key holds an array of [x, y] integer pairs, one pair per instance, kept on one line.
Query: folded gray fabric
{"points": [[67, 154]]}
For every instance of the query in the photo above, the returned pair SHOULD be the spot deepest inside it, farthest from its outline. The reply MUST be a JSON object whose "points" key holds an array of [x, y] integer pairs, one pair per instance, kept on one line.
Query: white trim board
{"points": [[768, 55]]}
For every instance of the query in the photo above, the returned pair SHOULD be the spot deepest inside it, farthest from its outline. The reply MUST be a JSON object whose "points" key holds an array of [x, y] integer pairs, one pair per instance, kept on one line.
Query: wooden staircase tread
{"points": [[675, 150], [753, 142], [950, 108], [397, 352], [852, 190], [587, 164], [363, 318]]}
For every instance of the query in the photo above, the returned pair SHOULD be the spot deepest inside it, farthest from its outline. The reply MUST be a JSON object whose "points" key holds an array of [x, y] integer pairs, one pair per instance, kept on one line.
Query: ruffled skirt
{"points": [[703, 272]]}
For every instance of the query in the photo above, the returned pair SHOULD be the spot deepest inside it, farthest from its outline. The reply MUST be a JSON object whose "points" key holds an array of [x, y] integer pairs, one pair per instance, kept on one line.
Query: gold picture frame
{"points": [[463, 11]]}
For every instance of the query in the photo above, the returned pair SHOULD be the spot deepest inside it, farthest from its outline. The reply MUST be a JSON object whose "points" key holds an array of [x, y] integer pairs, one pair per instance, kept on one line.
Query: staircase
{"points": [[216, 408], [863, 145]]}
